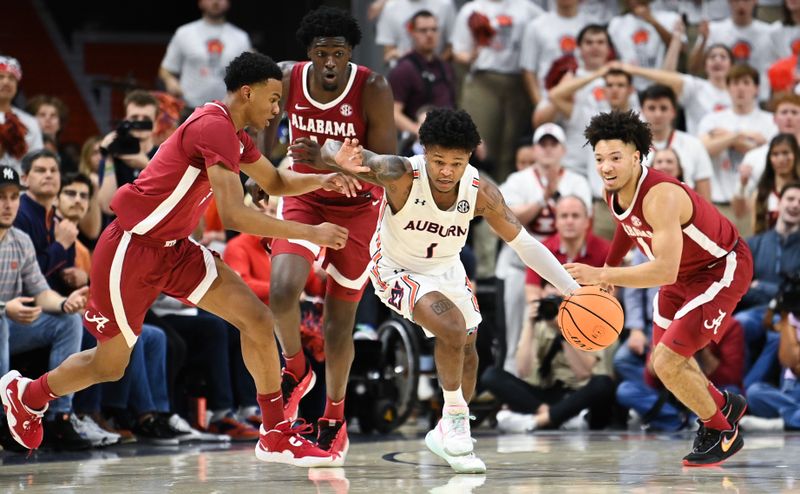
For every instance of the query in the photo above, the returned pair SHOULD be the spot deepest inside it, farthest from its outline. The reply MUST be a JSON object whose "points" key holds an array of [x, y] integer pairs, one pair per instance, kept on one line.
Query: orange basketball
{"points": [[591, 318]]}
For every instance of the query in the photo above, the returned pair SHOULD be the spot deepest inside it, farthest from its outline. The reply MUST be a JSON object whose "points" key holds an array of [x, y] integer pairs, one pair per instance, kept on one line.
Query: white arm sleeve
{"points": [[538, 258]]}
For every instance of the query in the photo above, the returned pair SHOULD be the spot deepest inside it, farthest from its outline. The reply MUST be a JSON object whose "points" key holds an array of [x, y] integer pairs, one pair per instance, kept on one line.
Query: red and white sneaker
{"points": [[285, 444], [294, 390], [25, 424], [332, 437]]}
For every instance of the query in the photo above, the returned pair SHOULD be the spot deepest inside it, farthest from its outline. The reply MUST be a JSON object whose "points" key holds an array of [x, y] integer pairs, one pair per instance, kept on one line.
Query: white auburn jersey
{"points": [[421, 237]]}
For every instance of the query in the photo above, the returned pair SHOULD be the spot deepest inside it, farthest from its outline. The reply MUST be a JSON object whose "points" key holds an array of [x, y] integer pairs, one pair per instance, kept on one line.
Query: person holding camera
{"points": [[555, 381], [129, 148], [776, 253], [774, 408]]}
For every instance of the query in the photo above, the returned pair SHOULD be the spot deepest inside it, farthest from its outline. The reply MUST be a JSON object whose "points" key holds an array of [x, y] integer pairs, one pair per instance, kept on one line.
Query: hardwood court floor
{"points": [[543, 462]]}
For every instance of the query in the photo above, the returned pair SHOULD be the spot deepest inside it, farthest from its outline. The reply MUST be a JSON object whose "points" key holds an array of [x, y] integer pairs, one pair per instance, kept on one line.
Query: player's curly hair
{"points": [[250, 68], [451, 129], [624, 126], [328, 22]]}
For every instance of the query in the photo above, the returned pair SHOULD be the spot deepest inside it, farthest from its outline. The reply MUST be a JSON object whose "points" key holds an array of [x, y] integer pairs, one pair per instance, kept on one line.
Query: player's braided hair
{"points": [[328, 22], [250, 68], [451, 129], [624, 126]]}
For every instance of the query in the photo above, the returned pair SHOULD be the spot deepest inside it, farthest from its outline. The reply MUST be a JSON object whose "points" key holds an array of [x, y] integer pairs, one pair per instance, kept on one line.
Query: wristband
{"points": [[62, 306]]}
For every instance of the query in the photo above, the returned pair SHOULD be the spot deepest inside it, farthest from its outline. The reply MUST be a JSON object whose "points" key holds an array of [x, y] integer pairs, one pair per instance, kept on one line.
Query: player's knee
{"points": [[664, 367], [283, 298], [453, 337]]}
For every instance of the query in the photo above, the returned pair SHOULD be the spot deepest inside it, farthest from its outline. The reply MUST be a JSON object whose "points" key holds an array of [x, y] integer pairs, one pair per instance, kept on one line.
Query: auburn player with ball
{"points": [[429, 202], [697, 258]]}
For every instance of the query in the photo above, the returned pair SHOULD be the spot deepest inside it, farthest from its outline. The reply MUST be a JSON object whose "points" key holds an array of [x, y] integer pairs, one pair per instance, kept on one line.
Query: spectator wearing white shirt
{"points": [[659, 109], [193, 67], [696, 95], [579, 107], [748, 39], [785, 35], [787, 119], [729, 134], [693, 10], [547, 38], [19, 131], [488, 36], [393, 26], [641, 36], [531, 194]]}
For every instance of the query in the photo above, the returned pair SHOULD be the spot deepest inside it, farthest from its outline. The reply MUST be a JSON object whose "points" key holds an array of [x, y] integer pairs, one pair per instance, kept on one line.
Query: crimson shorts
{"points": [[347, 267], [130, 271], [689, 314]]}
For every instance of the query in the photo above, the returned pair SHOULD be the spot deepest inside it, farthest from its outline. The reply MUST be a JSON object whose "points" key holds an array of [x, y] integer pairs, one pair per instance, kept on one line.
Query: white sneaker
{"points": [[752, 423], [89, 429], [577, 423], [453, 428], [512, 422], [186, 433], [467, 463]]}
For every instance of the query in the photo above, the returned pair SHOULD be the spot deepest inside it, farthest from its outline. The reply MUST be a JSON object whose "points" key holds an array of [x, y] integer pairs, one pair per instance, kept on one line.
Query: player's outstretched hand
{"points": [[330, 235], [341, 183], [351, 157], [306, 151]]}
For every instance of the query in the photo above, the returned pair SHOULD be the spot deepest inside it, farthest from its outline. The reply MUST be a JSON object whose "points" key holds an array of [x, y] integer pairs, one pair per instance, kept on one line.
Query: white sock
{"points": [[454, 398]]}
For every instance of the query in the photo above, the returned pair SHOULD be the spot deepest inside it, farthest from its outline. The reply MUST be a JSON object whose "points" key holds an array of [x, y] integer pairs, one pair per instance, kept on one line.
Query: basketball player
{"points": [[429, 202], [697, 258], [328, 97], [147, 250]]}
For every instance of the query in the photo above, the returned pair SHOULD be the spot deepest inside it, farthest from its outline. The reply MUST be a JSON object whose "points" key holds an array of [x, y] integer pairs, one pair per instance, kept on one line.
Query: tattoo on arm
{"points": [[441, 306], [495, 204]]}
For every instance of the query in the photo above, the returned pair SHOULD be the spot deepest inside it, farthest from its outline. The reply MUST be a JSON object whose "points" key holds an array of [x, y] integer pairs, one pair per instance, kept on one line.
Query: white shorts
{"points": [[401, 289]]}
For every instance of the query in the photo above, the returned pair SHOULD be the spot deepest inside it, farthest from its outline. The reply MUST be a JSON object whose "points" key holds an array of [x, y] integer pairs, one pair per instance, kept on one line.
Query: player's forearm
{"points": [[645, 275], [370, 159], [246, 220], [289, 183]]}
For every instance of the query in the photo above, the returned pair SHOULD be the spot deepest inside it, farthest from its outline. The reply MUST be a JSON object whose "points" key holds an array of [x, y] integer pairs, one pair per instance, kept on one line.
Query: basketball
{"points": [[591, 318]]}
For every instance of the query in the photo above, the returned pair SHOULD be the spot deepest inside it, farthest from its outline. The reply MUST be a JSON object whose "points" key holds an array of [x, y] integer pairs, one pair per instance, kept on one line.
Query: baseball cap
{"points": [[9, 175], [11, 65], [549, 129]]}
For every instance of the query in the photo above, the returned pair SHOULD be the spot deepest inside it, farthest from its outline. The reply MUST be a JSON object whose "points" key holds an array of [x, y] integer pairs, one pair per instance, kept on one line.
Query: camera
{"points": [[548, 308], [788, 297], [125, 143]]}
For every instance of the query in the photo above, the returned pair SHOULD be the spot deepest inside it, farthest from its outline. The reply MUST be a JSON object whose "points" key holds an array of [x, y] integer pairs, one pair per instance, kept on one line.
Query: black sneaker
{"points": [[60, 434], [153, 430], [735, 407], [712, 447]]}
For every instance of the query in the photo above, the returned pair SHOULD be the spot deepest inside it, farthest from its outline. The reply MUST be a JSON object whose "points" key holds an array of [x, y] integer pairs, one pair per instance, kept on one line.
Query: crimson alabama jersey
{"points": [[168, 198], [708, 236], [338, 119]]}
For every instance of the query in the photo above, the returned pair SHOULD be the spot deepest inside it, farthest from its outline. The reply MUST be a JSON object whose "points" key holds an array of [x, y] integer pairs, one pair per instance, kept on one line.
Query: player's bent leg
{"points": [[25, 407], [279, 442], [288, 278], [717, 439], [439, 315]]}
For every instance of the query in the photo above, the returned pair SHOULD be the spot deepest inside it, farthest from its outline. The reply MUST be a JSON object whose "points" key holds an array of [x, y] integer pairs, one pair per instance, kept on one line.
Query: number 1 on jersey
{"points": [[430, 250]]}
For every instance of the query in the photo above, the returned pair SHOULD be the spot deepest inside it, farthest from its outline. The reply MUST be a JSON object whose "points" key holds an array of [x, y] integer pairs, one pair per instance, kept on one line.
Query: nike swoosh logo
{"points": [[375, 203], [10, 395], [298, 107], [726, 443]]}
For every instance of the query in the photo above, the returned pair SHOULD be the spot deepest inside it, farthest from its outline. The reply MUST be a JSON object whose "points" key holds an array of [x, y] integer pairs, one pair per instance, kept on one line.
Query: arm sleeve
{"points": [[620, 246], [532, 277], [537, 257]]}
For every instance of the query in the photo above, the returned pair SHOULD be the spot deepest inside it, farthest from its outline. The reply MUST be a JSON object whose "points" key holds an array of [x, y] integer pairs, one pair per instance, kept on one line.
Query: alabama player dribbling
{"points": [[697, 258], [147, 250]]}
